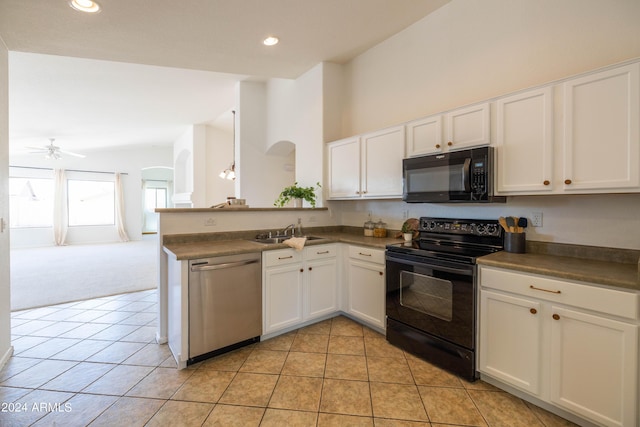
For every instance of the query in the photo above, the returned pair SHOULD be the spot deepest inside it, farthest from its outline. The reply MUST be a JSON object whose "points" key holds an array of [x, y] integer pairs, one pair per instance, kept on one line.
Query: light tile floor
{"points": [[96, 363]]}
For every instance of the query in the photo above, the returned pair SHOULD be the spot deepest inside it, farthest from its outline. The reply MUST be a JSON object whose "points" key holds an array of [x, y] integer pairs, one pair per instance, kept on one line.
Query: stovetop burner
{"points": [[461, 240]]}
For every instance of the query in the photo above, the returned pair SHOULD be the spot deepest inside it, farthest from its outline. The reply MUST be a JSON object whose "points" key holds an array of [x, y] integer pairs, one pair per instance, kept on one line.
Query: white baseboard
{"points": [[6, 356]]}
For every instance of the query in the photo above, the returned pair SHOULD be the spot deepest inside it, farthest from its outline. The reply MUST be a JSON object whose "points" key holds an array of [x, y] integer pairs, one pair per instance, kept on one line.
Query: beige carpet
{"points": [[58, 274]]}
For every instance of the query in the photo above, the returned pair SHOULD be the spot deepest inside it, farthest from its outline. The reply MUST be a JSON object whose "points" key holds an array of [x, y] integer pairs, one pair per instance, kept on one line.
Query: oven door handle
{"points": [[462, 271]]}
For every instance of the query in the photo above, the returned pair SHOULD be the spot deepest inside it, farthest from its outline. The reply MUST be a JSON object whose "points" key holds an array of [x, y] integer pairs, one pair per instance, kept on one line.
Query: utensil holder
{"points": [[515, 242]]}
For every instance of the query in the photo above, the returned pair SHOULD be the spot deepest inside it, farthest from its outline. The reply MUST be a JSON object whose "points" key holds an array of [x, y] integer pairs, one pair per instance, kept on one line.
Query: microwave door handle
{"points": [[466, 173]]}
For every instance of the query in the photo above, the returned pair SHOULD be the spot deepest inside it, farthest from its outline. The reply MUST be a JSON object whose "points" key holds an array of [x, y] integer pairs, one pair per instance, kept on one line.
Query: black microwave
{"points": [[457, 177]]}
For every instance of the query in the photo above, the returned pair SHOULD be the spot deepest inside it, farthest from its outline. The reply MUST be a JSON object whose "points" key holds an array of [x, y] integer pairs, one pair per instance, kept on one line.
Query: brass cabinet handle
{"points": [[323, 252], [360, 253], [567, 181], [556, 317], [544, 290], [449, 143], [533, 310], [381, 273], [310, 268], [546, 182], [437, 145], [302, 270], [285, 257]]}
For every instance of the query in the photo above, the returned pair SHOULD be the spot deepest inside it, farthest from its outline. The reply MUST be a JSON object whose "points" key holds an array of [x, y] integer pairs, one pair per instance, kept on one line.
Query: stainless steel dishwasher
{"points": [[225, 304]]}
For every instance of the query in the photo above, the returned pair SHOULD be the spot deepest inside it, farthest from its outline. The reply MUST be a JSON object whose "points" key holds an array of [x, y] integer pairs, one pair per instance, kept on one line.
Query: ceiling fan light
{"points": [[88, 6]]}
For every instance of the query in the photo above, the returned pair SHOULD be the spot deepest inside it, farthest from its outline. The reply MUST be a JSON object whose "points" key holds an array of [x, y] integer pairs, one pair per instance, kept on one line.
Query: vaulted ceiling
{"points": [[138, 72]]}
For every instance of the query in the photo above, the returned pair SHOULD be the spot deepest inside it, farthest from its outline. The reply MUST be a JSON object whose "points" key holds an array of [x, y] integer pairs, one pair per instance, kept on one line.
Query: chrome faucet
{"points": [[288, 227]]}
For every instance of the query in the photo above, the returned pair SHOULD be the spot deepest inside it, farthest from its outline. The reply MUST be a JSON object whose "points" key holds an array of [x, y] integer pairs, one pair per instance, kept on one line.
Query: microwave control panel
{"points": [[478, 177]]}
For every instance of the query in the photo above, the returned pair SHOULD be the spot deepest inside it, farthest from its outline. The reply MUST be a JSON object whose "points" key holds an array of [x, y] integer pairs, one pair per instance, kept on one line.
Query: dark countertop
{"points": [[622, 275], [200, 247], [603, 266]]}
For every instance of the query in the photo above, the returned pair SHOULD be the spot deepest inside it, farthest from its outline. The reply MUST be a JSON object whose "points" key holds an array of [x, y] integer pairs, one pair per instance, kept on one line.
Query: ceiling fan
{"points": [[52, 151]]}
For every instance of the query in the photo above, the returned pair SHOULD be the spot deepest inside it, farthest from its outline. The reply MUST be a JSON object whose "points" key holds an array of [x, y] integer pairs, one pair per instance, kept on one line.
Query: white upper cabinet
{"points": [[367, 166], [468, 127], [585, 139], [343, 164], [602, 140], [524, 142], [382, 153], [465, 128], [424, 136]]}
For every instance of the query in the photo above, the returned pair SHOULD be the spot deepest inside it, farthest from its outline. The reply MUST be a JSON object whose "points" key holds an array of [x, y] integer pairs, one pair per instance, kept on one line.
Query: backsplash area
{"points": [[606, 220]]}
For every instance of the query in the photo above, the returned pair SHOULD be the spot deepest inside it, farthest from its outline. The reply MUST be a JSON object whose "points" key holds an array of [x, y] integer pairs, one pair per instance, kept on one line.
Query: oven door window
{"points": [[426, 294]]}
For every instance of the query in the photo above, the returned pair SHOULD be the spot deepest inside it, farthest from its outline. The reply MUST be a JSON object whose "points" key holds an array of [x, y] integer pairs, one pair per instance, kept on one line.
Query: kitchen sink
{"points": [[280, 239]]}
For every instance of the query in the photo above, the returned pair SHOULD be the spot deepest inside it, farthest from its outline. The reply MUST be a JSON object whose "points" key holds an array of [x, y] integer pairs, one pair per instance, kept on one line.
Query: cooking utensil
{"points": [[503, 222], [511, 224], [522, 224]]}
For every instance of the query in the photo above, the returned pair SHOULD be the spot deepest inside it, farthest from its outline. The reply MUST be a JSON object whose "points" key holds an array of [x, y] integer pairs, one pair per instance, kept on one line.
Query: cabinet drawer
{"points": [[366, 254], [281, 257], [320, 251], [587, 296]]}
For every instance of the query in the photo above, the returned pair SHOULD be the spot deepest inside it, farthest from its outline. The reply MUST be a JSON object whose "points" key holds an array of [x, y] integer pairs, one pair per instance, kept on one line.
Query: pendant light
{"points": [[230, 172]]}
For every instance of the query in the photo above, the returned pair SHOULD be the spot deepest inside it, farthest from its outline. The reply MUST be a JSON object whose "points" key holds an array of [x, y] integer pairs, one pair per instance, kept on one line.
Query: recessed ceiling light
{"points": [[85, 5], [270, 41]]}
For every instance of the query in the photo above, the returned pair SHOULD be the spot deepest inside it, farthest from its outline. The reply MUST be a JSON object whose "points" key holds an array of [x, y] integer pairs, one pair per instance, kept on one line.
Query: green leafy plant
{"points": [[296, 192], [410, 226]]}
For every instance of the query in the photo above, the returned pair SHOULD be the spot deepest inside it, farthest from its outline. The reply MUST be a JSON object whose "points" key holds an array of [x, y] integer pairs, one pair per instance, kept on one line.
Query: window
{"points": [[91, 202], [30, 202], [155, 198]]}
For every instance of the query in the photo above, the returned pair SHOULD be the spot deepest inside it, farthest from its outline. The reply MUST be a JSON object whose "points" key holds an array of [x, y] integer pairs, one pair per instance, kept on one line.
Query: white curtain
{"points": [[120, 210], [59, 208]]}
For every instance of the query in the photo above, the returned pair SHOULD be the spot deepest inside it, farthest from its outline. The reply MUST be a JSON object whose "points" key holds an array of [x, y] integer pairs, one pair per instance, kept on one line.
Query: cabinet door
{"points": [[525, 142], [343, 163], [282, 297], [367, 292], [594, 367], [424, 136], [382, 154], [468, 127], [321, 290], [602, 140], [510, 340]]}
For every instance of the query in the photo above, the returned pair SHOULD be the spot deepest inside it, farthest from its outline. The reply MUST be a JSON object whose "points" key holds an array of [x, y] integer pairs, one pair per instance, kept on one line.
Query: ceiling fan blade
{"points": [[71, 153], [40, 149]]}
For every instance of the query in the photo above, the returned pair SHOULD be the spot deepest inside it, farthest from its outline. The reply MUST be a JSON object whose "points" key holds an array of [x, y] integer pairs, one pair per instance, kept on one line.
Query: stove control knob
{"points": [[430, 225], [480, 229], [492, 229]]}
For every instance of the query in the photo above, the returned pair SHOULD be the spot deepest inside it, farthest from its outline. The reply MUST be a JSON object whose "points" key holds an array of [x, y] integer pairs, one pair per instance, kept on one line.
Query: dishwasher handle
{"points": [[206, 267]]}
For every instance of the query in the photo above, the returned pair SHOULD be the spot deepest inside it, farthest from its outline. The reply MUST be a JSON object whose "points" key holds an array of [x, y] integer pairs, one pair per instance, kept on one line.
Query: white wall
{"points": [[470, 50], [219, 155], [130, 161], [261, 177], [5, 297]]}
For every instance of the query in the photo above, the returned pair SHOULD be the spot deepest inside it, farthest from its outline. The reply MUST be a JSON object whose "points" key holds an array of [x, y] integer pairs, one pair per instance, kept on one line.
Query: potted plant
{"points": [[294, 193], [408, 228]]}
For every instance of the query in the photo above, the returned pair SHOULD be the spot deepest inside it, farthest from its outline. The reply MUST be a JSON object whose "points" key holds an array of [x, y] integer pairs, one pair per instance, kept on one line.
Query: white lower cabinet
{"points": [[511, 334], [366, 285], [569, 344], [298, 286], [593, 369]]}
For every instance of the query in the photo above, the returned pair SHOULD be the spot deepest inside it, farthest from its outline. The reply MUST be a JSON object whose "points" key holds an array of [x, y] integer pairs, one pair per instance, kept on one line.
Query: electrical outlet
{"points": [[405, 214], [209, 222], [536, 219]]}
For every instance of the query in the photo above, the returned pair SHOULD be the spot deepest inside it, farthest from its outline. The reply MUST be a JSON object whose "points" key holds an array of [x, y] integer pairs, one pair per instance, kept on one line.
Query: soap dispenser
{"points": [[299, 228]]}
